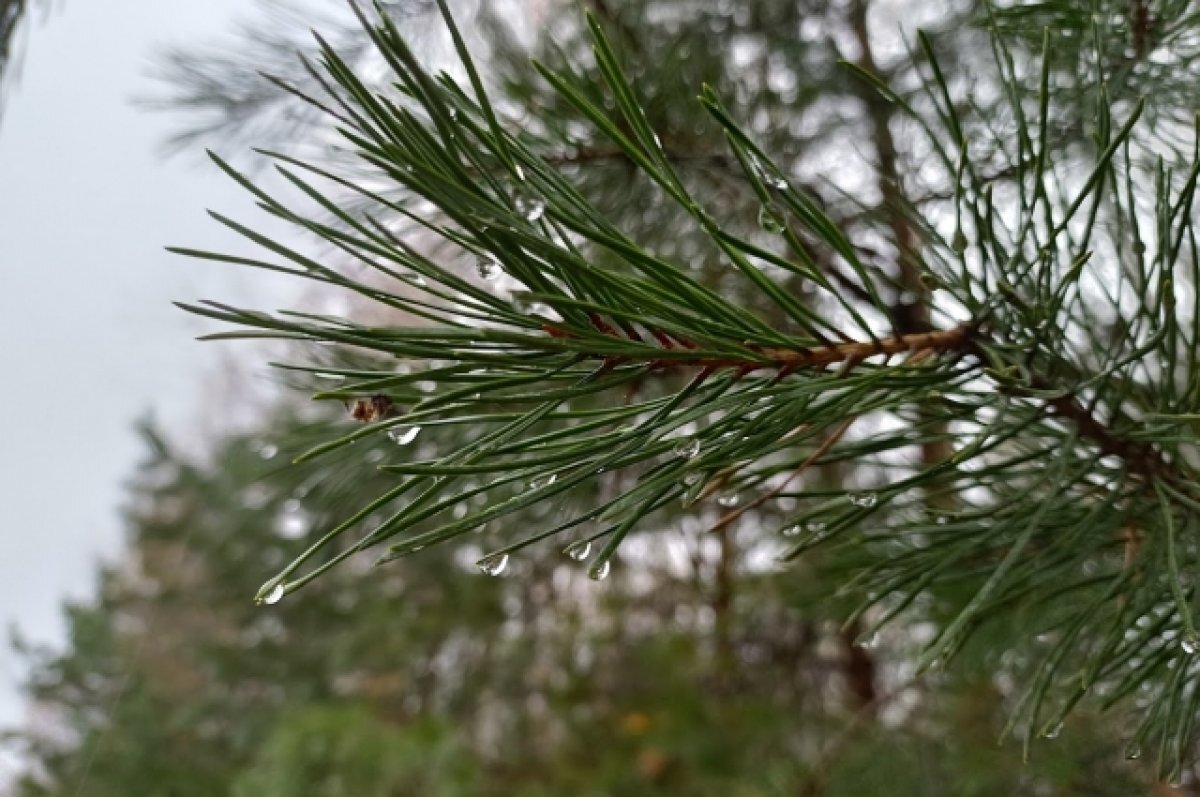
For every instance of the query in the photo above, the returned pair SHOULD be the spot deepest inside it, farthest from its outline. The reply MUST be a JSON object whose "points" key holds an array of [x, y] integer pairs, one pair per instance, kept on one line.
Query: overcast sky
{"points": [[88, 338]]}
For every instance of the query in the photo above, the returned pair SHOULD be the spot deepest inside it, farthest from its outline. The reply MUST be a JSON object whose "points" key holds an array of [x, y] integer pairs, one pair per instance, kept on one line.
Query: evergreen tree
{"points": [[975, 375], [916, 314], [424, 680]]}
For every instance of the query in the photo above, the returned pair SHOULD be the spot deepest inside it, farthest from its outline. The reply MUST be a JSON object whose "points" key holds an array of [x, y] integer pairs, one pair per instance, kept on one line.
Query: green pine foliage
{"points": [[979, 400], [425, 678]]}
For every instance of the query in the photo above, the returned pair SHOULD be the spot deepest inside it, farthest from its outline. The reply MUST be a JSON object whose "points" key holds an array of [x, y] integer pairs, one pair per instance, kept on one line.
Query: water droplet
{"points": [[1190, 643], [768, 176], [453, 112], [403, 435], [794, 530], [274, 596], [1055, 732], [268, 451], [959, 242], [487, 267], [579, 550], [415, 279], [530, 209], [690, 479], [1138, 247], [493, 565], [865, 500], [543, 481], [1133, 751], [770, 218], [687, 448], [729, 498], [520, 173], [329, 376], [600, 571]]}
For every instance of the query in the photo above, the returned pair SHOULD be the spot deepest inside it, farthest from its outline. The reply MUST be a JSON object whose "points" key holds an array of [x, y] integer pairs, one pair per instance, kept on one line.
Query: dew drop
{"points": [[530, 209], [1190, 643], [520, 173], [543, 481], [403, 435], [687, 448], [959, 242], [1055, 732], [770, 218], [794, 530], [865, 500], [579, 550], [415, 279], [493, 565], [690, 479], [330, 377], [268, 451], [1133, 751], [600, 571], [729, 498], [487, 267], [274, 596]]}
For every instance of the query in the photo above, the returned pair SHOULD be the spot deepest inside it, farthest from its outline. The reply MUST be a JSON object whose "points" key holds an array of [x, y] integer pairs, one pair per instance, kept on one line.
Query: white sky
{"points": [[88, 338]]}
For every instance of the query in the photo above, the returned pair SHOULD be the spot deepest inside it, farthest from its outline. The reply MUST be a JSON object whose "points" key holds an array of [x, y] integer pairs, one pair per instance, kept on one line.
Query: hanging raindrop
{"points": [[599, 572], [494, 564], [543, 481], [1190, 643], [579, 550], [729, 498], [770, 218], [1055, 732], [1133, 751], [487, 267], [530, 209], [687, 448], [268, 451], [959, 242], [403, 435], [865, 500], [274, 596]]}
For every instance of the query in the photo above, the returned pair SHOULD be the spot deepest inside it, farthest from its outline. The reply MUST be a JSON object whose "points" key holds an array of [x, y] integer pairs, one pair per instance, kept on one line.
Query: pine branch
{"points": [[676, 352], [982, 475]]}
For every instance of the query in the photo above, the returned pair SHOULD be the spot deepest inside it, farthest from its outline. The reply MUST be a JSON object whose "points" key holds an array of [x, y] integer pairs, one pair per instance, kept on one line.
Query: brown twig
{"points": [[957, 338], [1142, 458]]}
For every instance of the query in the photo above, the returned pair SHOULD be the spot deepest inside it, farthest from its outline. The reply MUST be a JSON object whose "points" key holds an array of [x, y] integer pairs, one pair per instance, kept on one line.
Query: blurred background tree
{"points": [[14, 16], [696, 668], [428, 679]]}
